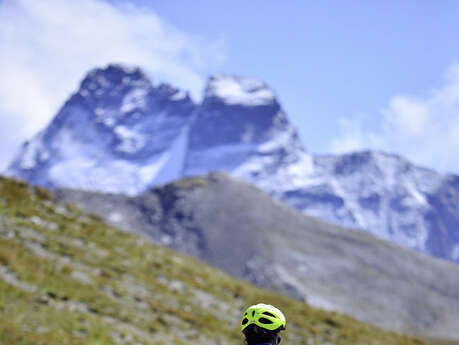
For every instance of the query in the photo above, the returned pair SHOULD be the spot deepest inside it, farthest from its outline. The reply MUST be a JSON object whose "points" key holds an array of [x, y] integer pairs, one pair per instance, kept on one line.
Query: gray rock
{"points": [[242, 230]]}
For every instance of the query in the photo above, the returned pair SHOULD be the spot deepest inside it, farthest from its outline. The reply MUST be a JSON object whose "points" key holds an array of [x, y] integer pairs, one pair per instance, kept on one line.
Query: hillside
{"points": [[243, 231], [68, 278]]}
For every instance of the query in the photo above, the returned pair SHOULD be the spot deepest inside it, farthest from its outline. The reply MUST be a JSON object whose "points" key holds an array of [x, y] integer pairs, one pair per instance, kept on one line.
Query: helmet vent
{"points": [[268, 314], [264, 320], [253, 313], [244, 321]]}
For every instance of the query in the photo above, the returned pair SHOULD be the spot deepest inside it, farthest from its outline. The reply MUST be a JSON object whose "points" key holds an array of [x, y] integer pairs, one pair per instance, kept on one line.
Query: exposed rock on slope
{"points": [[68, 278], [243, 231]]}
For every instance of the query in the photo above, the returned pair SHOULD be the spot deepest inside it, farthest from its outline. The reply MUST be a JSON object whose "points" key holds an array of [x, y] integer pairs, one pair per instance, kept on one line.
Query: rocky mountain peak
{"points": [[105, 87], [115, 74], [118, 91], [238, 110], [240, 128], [117, 128]]}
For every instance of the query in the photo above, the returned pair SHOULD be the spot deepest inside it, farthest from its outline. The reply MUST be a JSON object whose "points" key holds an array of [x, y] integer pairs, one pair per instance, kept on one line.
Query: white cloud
{"points": [[47, 46], [423, 129], [352, 136]]}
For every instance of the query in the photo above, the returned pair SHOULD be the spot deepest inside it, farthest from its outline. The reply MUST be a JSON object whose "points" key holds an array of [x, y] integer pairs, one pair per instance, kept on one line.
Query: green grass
{"points": [[97, 285]]}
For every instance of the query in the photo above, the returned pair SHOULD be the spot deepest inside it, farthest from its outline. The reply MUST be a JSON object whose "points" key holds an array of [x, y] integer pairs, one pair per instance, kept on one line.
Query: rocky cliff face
{"points": [[120, 133], [241, 128], [117, 133]]}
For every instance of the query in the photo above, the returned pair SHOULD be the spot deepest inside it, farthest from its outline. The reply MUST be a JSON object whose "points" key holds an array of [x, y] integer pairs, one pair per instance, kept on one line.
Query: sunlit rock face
{"points": [[380, 193]]}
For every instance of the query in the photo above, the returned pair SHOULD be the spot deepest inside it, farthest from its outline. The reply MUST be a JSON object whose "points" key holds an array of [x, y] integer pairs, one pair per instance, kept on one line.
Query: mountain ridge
{"points": [[123, 134], [243, 231]]}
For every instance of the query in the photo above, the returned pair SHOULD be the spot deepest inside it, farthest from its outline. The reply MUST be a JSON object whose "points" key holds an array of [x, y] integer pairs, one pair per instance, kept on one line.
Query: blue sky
{"points": [[329, 59], [351, 75]]}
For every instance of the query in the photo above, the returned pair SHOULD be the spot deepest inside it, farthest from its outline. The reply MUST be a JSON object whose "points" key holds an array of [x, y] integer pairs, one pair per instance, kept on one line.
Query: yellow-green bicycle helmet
{"points": [[263, 315]]}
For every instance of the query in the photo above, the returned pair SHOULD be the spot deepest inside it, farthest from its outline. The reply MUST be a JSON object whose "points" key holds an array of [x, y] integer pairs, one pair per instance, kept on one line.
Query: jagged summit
{"points": [[237, 90], [241, 128], [128, 86], [127, 89], [114, 74], [117, 133]]}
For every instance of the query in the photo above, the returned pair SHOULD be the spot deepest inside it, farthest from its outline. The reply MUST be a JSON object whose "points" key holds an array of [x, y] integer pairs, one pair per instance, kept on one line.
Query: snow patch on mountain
{"points": [[224, 157], [111, 175], [135, 99], [172, 168], [179, 95], [239, 90], [455, 253], [34, 153], [130, 140], [373, 191]]}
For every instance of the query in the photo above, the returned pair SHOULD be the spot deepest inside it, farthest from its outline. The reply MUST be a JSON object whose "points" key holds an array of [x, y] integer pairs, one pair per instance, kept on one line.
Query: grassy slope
{"points": [[68, 278]]}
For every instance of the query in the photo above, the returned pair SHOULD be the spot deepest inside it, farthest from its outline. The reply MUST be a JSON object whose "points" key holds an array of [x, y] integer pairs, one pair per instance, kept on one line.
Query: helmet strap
{"points": [[278, 339]]}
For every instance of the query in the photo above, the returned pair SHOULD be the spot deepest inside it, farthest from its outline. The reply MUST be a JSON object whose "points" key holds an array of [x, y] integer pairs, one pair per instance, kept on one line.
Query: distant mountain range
{"points": [[242, 230], [120, 133]]}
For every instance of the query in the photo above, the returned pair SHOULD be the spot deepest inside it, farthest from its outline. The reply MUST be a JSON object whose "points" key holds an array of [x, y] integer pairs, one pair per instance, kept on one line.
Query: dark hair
{"points": [[256, 335]]}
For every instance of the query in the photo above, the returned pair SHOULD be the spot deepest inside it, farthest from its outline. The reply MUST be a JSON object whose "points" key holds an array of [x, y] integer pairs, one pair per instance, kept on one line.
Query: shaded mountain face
{"points": [[242, 230], [240, 128], [119, 133]]}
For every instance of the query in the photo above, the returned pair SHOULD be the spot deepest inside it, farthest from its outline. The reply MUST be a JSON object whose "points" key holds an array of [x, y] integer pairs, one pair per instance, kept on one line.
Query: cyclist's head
{"points": [[261, 323]]}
